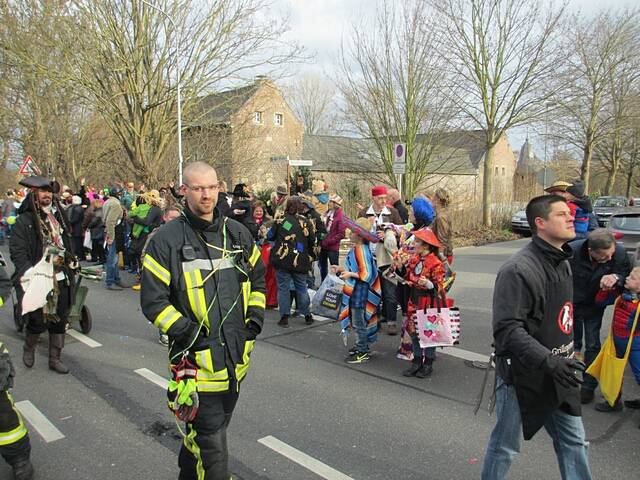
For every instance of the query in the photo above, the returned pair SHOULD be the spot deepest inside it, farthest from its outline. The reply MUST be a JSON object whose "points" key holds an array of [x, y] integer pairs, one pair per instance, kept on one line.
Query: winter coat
{"points": [[112, 213], [532, 320], [96, 225], [336, 232], [587, 275], [75, 214], [208, 300], [294, 239]]}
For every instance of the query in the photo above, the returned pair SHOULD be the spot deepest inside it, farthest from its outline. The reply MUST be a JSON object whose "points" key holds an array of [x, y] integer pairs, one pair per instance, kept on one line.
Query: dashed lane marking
{"points": [[301, 458], [39, 422], [153, 377], [81, 337]]}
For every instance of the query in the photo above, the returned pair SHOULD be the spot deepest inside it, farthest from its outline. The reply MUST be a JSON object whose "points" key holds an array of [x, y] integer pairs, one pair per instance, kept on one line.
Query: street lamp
{"points": [[177, 46]]}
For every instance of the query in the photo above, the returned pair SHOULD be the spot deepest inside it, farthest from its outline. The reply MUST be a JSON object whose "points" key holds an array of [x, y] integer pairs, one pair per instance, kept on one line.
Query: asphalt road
{"points": [[302, 410]]}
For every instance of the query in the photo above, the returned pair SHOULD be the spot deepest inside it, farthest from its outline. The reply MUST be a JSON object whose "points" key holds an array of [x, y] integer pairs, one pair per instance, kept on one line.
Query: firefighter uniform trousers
{"points": [[14, 438], [204, 450]]}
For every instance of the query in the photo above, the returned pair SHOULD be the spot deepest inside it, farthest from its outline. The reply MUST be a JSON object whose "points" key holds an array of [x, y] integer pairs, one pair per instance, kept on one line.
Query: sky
{"points": [[320, 25]]}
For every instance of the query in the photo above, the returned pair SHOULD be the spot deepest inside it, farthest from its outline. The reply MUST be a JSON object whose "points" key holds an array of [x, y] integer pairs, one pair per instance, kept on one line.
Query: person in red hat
{"points": [[382, 216], [424, 274]]}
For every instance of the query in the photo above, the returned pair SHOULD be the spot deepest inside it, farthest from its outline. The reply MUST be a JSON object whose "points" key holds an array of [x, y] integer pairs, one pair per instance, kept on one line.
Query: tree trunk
{"points": [[585, 169], [487, 186]]}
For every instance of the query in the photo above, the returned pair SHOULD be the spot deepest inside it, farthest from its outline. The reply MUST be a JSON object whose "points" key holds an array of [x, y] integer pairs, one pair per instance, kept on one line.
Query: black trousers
{"points": [[14, 438], [204, 454]]}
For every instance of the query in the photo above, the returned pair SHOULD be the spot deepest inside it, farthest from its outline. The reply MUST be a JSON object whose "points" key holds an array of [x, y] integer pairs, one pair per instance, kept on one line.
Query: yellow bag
{"points": [[608, 368]]}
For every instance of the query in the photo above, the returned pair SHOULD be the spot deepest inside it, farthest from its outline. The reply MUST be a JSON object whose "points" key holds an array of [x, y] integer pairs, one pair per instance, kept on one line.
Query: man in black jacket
{"points": [[537, 377], [40, 229], [597, 262]]}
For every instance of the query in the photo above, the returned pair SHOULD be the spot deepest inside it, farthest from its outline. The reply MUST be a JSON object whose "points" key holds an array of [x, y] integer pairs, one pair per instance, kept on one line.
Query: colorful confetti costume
{"points": [[360, 260]]}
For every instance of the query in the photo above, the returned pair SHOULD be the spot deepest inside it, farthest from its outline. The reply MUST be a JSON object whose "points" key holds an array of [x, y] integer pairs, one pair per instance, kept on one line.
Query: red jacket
{"points": [[624, 313]]}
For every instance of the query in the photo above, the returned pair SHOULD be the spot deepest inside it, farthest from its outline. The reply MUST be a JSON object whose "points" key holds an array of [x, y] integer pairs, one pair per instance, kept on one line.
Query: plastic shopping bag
{"points": [[327, 300], [438, 327]]}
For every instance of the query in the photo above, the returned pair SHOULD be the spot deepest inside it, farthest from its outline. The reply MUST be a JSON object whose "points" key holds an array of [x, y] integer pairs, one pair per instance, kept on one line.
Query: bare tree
{"points": [[130, 54], [597, 49], [501, 52], [392, 82], [313, 99]]}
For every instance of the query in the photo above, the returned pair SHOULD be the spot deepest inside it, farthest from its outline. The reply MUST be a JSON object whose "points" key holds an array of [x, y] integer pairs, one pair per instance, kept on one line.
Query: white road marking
{"points": [[153, 377], [81, 337], [465, 354], [301, 458], [39, 422]]}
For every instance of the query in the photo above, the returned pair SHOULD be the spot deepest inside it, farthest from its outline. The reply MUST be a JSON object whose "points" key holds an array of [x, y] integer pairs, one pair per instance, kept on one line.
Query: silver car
{"points": [[604, 207], [625, 226], [519, 223]]}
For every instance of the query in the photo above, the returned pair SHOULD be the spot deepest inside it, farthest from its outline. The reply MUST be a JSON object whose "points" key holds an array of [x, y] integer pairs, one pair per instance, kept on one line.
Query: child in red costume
{"points": [[424, 273]]}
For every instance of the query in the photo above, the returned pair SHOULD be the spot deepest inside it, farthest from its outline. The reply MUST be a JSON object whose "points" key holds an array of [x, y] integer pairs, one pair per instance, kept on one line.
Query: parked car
{"points": [[604, 207], [625, 226], [519, 223]]}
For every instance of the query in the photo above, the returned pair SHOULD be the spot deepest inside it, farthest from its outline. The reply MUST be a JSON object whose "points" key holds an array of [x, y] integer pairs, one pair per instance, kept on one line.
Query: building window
{"points": [[257, 117], [496, 171], [504, 172], [279, 119]]}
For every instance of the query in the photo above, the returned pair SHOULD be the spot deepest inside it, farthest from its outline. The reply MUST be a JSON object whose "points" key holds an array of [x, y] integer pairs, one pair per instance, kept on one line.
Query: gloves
{"points": [[183, 389], [253, 330], [566, 371]]}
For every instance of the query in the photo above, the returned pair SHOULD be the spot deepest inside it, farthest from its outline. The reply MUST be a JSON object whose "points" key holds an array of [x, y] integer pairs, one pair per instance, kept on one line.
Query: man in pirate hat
{"points": [[42, 232]]}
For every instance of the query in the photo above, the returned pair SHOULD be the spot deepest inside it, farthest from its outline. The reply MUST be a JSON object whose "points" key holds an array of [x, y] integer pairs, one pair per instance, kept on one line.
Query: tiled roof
{"points": [[458, 152], [217, 108]]}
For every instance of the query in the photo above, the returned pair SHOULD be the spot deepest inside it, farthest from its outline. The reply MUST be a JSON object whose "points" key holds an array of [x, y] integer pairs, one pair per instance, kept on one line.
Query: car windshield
{"points": [[623, 222], [609, 202]]}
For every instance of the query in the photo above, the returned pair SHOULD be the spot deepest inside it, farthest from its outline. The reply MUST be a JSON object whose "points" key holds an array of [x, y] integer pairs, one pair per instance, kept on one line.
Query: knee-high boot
{"points": [[56, 344], [29, 349]]}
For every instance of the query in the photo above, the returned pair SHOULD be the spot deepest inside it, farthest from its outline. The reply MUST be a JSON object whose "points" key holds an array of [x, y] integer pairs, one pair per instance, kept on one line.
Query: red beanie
{"points": [[378, 190]]}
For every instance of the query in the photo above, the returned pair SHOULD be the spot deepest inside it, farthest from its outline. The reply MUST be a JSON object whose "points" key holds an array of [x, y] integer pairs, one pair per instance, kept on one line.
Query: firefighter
{"points": [[15, 447], [42, 232], [203, 285]]}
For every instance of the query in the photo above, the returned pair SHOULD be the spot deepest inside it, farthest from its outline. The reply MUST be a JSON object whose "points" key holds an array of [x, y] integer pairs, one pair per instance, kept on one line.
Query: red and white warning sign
{"points": [[29, 167]]}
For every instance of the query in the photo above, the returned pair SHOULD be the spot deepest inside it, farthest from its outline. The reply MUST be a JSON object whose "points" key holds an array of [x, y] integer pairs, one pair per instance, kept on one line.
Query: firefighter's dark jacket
{"points": [[203, 285]]}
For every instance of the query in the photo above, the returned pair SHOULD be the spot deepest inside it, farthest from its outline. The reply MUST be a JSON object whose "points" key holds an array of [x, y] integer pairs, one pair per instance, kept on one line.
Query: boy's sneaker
{"points": [[358, 357], [353, 350]]}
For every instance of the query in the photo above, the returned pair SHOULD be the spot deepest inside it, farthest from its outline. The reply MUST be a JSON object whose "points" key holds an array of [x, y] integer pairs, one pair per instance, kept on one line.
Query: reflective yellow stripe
{"points": [[166, 318], [12, 436], [258, 299], [1, 302], [242, 368], [193, 281], [192, 446], [158, 270], [209, 380], [255, 256], [246, 290]]}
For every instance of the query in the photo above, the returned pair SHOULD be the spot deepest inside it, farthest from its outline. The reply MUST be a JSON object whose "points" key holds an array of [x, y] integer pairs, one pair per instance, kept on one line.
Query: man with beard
{"points": [[42, 230], [203, 286]]}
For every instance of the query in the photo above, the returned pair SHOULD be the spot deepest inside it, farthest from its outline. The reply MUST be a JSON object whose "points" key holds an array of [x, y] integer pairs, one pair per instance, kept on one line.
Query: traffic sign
{"points": [[301, 163], [278, 158], [29, 167], [400, 153], [399, 168]]}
